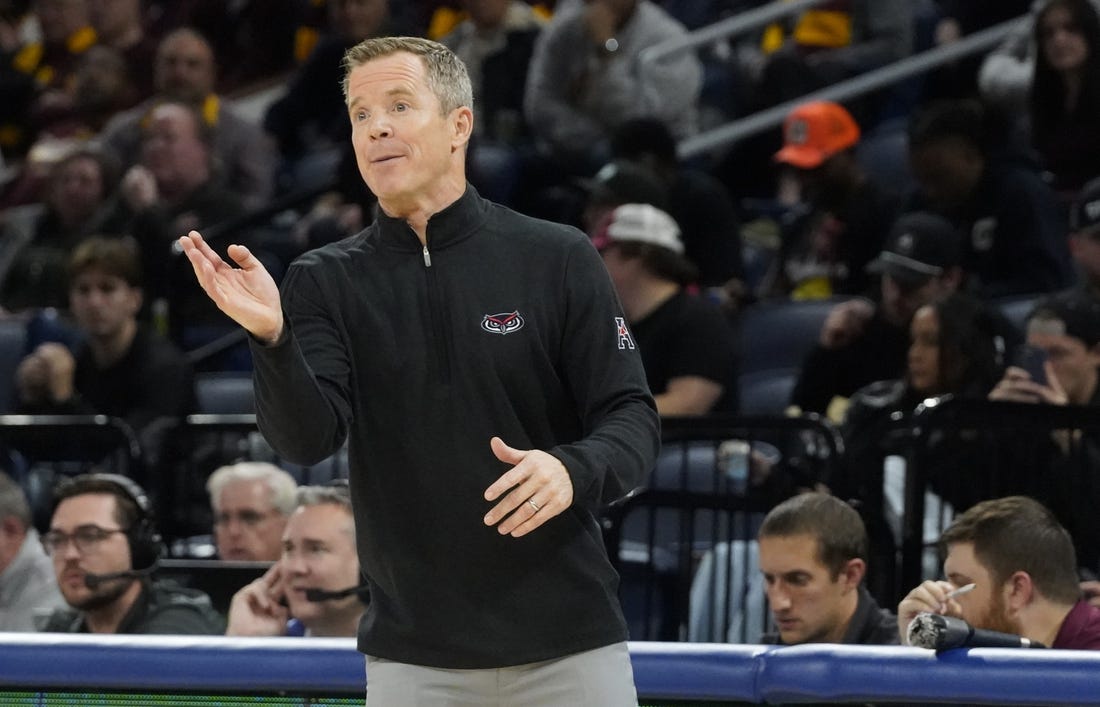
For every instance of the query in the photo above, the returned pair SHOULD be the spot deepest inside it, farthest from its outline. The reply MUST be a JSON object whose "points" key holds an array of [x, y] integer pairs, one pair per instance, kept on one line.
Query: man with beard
{"points": [[1024, 571], [104, 547]]}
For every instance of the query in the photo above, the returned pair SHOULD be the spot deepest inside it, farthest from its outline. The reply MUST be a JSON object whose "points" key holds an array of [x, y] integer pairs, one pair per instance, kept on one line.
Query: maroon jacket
{"points": [[1081, 628]]}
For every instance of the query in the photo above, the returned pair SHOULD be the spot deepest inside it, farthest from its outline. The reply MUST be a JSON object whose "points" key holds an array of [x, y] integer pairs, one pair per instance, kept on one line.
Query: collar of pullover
{"points": [[452, 225]]}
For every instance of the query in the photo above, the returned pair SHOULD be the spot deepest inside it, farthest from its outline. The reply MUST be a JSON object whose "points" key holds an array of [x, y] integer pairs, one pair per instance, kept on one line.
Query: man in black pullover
{"points": [[481, 369]]}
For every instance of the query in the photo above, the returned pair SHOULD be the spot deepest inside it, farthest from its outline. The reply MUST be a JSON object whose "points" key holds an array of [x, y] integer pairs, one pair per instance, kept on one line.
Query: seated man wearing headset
{"points": [[104, 546], [316, 581]]}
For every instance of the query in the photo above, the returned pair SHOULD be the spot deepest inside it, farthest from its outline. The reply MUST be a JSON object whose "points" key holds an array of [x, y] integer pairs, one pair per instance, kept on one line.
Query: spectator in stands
{"points": [[1022, 564], [184, 72], [496, 41], [28, 587], [253, 40], [120, 25], [1004, 80], [104, 546], [1066, 327], [955, 348], [38, 70], [122, 368], [310, 118], [862, 342], [78, 201], [318, 553], [824, 252], [813, 555], [697, 201], [687, 345], [1084, 237], [251, 502], [616, 183], [1014, 242], [1065, 93], [955, 19], [586, 78], [175, 187], [830, 43]]}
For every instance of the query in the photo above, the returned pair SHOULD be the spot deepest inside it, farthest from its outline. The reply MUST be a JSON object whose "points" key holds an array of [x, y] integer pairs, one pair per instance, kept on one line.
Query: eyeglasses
{"points": [[86, 538], [249, 519]]}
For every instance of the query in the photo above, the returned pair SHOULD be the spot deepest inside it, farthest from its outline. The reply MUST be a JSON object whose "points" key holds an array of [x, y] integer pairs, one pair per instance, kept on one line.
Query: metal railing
{"points": [[769, 118]]}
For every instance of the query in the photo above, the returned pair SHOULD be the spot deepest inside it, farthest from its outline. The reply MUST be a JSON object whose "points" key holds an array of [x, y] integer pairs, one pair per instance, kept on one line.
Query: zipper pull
{"points": [[427, 258]]}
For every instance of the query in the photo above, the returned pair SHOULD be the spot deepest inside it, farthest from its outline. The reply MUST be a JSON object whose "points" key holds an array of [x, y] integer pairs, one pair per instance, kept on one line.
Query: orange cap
{"points": [[814, 132]]}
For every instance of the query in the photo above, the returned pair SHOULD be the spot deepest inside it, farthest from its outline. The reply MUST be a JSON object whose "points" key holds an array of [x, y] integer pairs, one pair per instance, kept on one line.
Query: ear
{"points": [[137, 297], [852, 573], [1019, 591], [462, 121], [12, 527]]}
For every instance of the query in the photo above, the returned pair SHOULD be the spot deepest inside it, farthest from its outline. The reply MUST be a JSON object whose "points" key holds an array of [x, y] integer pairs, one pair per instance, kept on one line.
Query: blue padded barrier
{"points": [[982, 676], [672, 671]]}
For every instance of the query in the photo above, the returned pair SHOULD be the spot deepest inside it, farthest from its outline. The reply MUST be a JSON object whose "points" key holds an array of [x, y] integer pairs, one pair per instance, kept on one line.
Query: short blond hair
{"points": [[446, 73]]}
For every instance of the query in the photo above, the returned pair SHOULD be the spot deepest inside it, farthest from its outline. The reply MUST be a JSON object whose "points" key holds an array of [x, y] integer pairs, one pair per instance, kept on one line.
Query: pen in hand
{"points": [[958, 591]]}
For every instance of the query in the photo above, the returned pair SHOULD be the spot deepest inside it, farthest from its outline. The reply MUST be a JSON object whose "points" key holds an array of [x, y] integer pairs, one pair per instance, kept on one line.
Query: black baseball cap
{"points": [[920, 246], [626, 182]]}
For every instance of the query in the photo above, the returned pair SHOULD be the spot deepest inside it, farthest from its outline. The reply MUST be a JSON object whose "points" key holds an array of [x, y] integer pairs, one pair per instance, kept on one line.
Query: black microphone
{"points": [[945, 632], [93, 581], [317, 594]]}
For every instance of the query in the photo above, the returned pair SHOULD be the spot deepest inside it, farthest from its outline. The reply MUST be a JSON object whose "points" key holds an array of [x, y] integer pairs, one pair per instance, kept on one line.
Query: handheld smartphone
{"points": [[1032, 359]]}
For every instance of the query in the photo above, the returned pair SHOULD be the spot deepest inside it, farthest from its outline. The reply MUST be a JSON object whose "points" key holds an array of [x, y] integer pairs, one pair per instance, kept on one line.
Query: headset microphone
{"points": [[315, 594], [93, 581]]}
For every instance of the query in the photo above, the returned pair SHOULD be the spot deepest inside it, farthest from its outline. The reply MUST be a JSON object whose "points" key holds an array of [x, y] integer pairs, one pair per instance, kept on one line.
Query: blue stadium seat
{"points": [[13, 337], [779, 333], [766, 392], [225, 393]]}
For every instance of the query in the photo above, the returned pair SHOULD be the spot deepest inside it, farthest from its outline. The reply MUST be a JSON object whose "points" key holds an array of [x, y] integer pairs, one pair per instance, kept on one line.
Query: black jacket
{"points": [[870, 625], [502, 326]]}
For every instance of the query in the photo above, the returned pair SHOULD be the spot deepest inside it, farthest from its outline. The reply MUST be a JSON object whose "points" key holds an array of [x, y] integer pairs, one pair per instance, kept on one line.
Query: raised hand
{"points": [[247, 294]]}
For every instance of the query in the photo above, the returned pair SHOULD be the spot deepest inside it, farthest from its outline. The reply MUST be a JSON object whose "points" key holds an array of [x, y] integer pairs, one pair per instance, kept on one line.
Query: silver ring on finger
{"points": [[534, 505]]}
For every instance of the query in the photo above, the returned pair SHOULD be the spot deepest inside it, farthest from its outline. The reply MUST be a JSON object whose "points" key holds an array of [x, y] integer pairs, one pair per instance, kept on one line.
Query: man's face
{"points": [[184, 69], [103, 304], [319, 553], [246, 525], [60, 18], [948, 171], [109, 551], [808, 604], [985, 606], [77, 190], [1074, 364], [900, 301], [360, 19], [406, 148], [173, 150], [112, 17]]}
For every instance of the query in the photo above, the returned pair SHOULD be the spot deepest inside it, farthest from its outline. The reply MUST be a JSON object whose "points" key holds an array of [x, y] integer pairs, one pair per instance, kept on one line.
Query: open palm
{"points": [[247, 294]]}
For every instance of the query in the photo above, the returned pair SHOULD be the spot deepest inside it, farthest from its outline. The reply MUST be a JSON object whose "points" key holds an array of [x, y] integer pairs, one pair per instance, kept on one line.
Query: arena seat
{"points": [[225, 393]]}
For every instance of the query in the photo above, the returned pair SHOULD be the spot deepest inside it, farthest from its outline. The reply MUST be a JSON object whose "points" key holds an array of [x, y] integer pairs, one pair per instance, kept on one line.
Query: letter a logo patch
{"points": [[626, 341]]}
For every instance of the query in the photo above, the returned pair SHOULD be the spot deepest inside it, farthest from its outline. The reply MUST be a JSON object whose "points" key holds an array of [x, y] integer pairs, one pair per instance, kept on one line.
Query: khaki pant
{"points": [[600, 677]]}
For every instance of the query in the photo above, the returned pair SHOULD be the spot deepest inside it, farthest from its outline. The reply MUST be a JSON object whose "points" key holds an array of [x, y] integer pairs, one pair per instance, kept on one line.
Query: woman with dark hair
{"points": [[955, 348], [1065, 93]]}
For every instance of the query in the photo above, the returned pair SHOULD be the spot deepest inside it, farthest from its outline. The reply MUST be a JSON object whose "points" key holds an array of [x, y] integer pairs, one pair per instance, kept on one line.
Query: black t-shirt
{"points": [[688, 336]]}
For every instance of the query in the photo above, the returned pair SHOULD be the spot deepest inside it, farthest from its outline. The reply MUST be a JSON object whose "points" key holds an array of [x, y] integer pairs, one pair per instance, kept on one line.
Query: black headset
{"points": [[146, 547]]}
